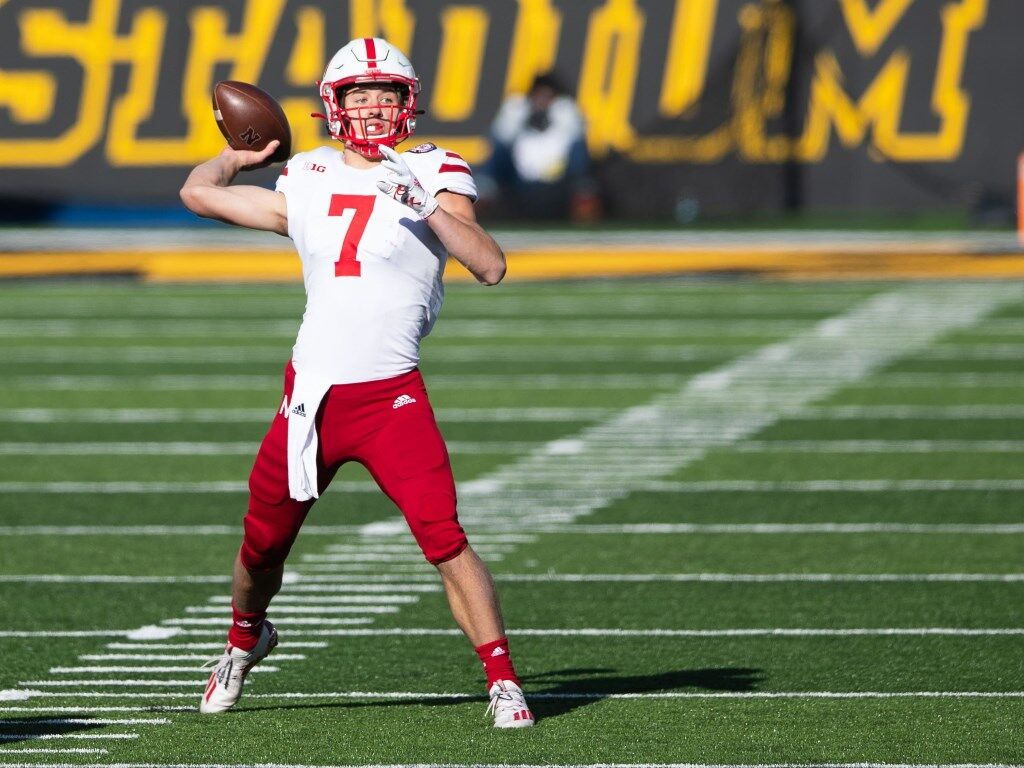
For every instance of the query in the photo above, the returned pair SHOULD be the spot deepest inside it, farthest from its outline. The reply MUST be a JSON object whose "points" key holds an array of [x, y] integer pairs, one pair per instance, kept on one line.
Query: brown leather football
{"points": [[250, 118]]}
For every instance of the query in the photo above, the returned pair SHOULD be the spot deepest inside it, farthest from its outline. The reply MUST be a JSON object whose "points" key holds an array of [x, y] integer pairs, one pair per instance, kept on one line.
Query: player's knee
{"points": [[265, 546], [436, 528]]}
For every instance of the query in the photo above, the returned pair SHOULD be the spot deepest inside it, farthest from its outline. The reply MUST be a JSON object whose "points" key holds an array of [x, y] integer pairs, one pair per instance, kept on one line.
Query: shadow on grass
{"points": [[49, 728], [557, 692]]}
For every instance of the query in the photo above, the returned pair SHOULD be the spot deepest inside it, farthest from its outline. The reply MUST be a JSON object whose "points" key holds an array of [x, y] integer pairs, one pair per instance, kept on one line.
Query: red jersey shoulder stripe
{"points": [[452, 168]]}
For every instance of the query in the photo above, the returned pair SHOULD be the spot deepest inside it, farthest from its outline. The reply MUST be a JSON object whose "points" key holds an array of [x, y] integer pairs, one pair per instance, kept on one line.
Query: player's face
{"points": [[372, 110]]}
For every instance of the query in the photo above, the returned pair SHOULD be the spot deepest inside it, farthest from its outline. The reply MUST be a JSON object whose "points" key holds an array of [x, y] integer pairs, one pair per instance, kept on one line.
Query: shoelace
{"points": [[513, 701], [492, 707]]}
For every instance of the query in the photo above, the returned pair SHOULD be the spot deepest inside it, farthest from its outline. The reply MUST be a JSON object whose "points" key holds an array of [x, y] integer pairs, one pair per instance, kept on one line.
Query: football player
{"points": [[373, 228]]}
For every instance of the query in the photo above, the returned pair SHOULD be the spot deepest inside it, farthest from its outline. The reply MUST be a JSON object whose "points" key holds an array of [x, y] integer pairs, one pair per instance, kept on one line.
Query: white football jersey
{"points": [[372, 268]]}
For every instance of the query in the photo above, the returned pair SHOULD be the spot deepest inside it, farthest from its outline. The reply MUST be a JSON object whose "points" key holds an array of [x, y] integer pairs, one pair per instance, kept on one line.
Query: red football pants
{"points": [[389, 427]]}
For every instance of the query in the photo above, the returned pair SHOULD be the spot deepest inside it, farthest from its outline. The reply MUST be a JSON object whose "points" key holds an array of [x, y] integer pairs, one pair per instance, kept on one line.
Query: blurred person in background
{"points": [[539, 167]]}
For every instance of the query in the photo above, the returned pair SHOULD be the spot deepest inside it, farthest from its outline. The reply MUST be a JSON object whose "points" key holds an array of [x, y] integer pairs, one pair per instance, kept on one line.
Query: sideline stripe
{"points": [[846, 261]]}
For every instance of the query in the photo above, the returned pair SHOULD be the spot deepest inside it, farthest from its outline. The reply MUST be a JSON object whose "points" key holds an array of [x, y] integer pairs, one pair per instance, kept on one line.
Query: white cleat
{"points": [[224, 688], [508, 704]]}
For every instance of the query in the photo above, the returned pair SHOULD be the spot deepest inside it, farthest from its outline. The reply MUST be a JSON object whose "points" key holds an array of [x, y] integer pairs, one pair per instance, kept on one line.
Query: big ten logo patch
{"points": [[314, 167]]}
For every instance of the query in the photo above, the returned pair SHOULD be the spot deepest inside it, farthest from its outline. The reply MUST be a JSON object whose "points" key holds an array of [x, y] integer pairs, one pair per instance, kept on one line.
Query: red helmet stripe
{"points": [[371, 49]]}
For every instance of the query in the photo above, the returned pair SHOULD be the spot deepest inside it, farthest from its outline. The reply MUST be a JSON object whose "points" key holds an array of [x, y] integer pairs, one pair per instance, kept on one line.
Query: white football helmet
{"points": [[368, 60]]}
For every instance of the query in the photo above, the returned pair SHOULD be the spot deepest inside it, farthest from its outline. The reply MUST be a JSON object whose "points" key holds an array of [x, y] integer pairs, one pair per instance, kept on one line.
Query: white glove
{"points": [[400, 183]]}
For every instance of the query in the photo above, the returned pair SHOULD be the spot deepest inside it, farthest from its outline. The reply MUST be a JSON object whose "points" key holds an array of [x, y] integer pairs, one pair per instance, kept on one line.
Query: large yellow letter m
{"points": [[881, 105]]}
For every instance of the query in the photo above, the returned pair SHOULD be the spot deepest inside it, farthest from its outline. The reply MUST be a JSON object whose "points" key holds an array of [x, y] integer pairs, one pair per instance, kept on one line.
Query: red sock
{"points": [[497, 661], [245, 628]]}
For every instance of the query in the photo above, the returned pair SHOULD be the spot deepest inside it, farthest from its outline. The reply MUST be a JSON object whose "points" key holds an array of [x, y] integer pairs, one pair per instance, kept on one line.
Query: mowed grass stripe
{"points": [[659, 529], [178, 448]]}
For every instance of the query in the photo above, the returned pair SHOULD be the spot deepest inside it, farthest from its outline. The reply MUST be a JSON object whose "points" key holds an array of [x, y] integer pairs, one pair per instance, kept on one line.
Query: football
{"points": [[250, 118]]}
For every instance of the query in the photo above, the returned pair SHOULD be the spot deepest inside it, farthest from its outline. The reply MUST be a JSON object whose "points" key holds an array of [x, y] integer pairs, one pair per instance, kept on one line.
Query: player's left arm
{"points": [[454, 222], [449, 214]]}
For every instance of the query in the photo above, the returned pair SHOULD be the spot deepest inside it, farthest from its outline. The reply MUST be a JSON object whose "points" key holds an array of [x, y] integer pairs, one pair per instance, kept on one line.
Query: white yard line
{"points": [[63, 578], [816, 486], [285, 609], [284, 619], [461, 354], [505, 447], [565, 496], [58, 736], [909, 412], [201, 646], [566, 528], [766, 578], [286, 599], [728, 404], [398, 695], [85, 710], [264, 415], [106, 669], [452, 328], [944, 379], [173, 656], [747, 632], [256, 382], [89, 721], [195, 683], [49, 752], [1000, 529], [880, 446], [173, 448]]}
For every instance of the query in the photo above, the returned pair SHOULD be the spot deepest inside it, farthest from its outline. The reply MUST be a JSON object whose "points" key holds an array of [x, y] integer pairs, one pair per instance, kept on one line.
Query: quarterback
{"points": [[373, 228]]}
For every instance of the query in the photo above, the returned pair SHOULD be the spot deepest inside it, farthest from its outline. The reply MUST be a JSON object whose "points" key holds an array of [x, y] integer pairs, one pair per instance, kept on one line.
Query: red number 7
{"points": [[347, 264]]}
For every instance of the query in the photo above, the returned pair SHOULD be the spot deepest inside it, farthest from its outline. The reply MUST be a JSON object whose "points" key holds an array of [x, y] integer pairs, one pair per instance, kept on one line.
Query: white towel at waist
{"points": [[307, 393]]}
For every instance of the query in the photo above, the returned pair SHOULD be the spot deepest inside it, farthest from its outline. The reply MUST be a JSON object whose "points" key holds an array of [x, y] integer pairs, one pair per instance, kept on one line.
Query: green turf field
{"points": [[732, 522]]}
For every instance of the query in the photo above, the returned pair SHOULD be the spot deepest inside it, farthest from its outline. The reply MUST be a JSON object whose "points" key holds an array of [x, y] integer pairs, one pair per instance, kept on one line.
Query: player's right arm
{"points": [[208, 192]]}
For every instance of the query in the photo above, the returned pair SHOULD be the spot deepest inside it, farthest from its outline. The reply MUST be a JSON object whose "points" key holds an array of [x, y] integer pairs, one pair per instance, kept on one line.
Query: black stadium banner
{"points": [[733, 105]]}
